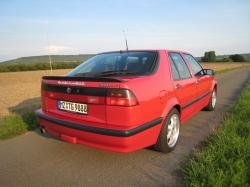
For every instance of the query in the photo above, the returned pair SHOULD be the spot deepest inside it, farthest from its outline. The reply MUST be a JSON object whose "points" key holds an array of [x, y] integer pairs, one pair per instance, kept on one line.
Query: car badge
{"points": [[68, 90]]}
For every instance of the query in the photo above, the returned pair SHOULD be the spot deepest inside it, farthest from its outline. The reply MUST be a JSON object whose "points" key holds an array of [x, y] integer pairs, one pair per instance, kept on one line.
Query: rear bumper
{"points": [[108, 139]]}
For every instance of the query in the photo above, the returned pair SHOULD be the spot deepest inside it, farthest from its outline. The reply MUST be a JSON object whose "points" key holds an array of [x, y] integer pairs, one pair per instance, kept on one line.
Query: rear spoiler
{"points": [[91, 79]]}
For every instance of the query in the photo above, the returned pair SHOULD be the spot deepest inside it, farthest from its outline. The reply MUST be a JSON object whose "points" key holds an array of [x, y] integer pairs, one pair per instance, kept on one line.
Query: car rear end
{"points": [[97, 108]]}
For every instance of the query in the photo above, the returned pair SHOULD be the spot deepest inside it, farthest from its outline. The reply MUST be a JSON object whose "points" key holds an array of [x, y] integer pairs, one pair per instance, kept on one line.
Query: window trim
{"points": [[177, 68], [190, 64], [171, 61]]}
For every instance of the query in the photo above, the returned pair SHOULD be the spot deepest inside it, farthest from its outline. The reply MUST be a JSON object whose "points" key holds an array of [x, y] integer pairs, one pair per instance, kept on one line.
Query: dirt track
{"points": [[34, 160]]}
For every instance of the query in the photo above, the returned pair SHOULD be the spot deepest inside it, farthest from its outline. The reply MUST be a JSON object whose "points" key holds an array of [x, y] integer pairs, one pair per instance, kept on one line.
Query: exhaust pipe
{"points": [[42, 130]]}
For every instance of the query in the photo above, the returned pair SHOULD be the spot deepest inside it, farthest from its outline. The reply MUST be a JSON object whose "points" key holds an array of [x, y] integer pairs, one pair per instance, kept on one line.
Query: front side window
{"points": [[181, 66], [194, 64], [117, 63]]}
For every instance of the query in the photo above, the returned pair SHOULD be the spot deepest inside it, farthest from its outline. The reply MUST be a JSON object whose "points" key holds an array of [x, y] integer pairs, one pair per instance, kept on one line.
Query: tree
{"points": [[237, 58], [212, 56], [205, 58], [209, 56]]}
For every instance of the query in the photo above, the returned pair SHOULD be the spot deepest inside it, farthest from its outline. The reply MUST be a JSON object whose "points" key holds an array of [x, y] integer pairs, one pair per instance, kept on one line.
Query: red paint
{"points": [[150, 97]]}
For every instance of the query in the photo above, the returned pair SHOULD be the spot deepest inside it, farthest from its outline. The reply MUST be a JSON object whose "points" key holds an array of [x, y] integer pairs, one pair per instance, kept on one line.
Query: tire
{"points": [[212, 102], [163, 143]]}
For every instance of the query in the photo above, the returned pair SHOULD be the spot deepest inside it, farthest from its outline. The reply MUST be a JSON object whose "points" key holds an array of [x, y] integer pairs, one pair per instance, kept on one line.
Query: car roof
{"points": [[146, 50]]}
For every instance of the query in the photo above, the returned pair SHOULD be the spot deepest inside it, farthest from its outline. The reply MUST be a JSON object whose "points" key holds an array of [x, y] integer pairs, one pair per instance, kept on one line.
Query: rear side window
{"points": [[181, 66], [175, 73], [193, 63]]}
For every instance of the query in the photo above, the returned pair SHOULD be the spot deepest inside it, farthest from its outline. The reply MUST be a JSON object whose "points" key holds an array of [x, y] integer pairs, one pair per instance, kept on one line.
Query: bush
{"points": [[16, 124], [225, 60], [237, 58]]}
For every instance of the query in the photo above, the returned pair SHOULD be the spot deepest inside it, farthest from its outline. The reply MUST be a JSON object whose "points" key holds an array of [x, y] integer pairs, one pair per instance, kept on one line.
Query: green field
{"points": [[225, 158], [45, 59], [42, 63]]}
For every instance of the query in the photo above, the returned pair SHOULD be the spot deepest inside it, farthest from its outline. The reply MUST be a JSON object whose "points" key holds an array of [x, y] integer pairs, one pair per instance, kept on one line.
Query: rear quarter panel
{"points": [[152, 94]]}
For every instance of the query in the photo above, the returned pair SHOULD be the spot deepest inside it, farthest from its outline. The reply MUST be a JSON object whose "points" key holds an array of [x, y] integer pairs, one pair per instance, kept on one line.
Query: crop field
{"points": [[20, 91], [218, 66]]}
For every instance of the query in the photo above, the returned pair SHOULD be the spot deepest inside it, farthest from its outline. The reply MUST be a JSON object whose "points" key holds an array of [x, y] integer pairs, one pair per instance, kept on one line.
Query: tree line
{"points": [[36, 66], [210, 56]]}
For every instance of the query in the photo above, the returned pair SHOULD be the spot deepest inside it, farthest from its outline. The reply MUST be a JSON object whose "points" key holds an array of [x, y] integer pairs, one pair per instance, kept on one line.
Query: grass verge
{"points": [[225, 158], [16, 124], [230, 69]]}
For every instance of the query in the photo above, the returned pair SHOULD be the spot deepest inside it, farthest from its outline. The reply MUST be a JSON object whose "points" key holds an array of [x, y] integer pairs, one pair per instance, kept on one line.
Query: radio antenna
{"points": [[125, 38], [50, 61]]}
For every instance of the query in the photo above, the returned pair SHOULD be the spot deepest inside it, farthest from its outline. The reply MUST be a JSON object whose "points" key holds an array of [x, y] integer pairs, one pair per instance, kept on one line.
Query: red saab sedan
{"points": [[127, 100]]}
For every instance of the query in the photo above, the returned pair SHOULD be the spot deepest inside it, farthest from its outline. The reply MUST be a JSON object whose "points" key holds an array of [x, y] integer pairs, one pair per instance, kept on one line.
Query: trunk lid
{"points": [[77, 92]]}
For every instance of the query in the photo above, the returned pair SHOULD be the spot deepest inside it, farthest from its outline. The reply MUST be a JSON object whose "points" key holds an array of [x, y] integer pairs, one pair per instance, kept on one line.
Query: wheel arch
{"points": [[178, 107], [214, 86], [172, 103]]}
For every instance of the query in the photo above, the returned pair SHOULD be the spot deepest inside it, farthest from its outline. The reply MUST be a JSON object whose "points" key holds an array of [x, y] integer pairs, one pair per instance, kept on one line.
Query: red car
{"points": [[127, 100]]}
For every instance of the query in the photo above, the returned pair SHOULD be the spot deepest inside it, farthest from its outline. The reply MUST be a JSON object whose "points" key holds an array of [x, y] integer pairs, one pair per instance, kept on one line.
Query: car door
{"points": [[203, 81], [184, 83]]}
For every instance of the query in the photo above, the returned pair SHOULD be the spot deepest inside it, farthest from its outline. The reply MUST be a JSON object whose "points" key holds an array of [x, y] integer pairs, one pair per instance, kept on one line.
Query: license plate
{"points": [[72, 107]]}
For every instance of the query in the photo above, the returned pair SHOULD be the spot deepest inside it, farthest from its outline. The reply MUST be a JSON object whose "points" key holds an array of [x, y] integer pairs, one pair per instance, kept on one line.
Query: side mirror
{"points": [[208, 72]]}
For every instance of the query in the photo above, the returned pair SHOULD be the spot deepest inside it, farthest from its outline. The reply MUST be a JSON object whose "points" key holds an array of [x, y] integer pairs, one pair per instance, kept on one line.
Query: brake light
{"points": [[43, 101], [121, 97]]}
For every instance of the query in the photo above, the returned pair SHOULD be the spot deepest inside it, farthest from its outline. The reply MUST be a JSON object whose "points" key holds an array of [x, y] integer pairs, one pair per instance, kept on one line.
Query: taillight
{"points": [[43, 104], [121, 97]]}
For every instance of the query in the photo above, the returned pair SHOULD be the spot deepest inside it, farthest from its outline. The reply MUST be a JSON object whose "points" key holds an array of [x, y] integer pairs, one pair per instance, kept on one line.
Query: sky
{"points": [[40, 27]]}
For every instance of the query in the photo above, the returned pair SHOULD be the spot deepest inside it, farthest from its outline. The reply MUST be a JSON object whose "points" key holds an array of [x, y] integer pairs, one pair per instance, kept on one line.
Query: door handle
{"points": [[177, 86]]}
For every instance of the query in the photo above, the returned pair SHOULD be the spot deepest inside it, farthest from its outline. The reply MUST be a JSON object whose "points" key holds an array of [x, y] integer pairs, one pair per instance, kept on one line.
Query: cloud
{"points": [[56, 49]]}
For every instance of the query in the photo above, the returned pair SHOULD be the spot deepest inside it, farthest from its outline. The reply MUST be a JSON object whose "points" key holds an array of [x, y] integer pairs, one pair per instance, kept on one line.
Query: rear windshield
{"points": [[118, 63]]}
